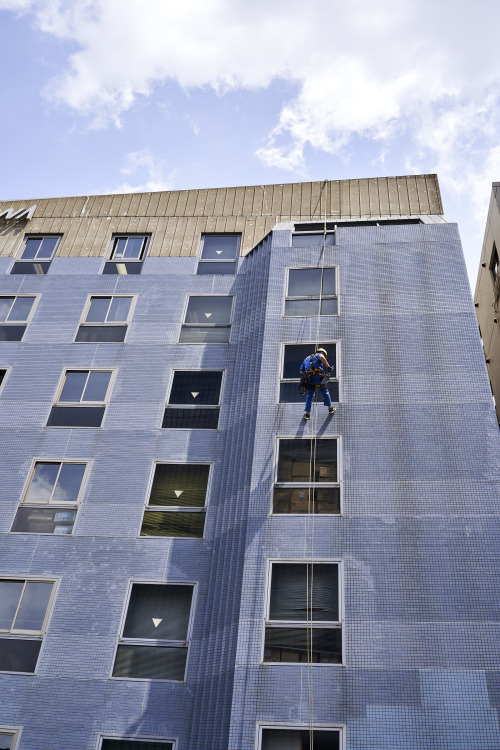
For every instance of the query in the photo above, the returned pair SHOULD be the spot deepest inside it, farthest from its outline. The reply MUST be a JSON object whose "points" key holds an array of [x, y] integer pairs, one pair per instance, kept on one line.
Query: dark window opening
{"points": [[158, 614], [76, 416], [138, 745], [106, 320], [3, 373], [294, 355], [23, 610], [101, 334], [332, 225], [307, 477], [311, 291], [127, 254], [219, 253], [34, 520], [37, 254], [300, 739], [494, 263], [194, 400], [207, 321], [177, 501], [316, 239]]}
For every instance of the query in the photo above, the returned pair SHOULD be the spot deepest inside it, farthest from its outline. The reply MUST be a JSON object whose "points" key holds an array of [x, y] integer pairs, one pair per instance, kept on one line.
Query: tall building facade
{"points": [[187, 564]]}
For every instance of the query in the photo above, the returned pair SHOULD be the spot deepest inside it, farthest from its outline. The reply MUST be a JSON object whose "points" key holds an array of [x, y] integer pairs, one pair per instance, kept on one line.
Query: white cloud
{"points": [[148, 172]]}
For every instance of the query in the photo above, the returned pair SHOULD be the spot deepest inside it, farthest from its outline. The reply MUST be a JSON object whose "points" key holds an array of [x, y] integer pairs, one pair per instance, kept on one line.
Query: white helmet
{"points": [[322, 351]]}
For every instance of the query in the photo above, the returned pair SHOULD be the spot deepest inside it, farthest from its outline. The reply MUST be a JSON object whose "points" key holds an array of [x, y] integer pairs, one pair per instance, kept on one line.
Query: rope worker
{"points": [[315, 374]]}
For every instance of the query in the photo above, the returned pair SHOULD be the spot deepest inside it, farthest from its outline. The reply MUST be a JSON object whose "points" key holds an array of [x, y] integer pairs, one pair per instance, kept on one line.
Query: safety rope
{"points": [[309, 527]]}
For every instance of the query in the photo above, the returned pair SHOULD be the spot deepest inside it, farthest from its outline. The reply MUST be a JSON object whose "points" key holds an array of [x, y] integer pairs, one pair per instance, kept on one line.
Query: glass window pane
{"points": [[34, 603], [191, 419], [291, 394], [6, 741], [292, 582], [5, 305], [122, 268], [294, 355], [220, 268], [134, 248], [119, 247], [98, 309], [304, 282], [159, 612], [101, 334], [306, 500], [39, 520], [69, 483], [194, 388], [18, 655], [150, 662], [220, 246], [137, 745], [204, 335], [312, 240], [180, 484], [299, 739], [97, 386], [293, 644], [329, 306], [328, 281], [73, 386], [10, 593], [31, 247], [25, 267], [295, 460], [172, 523], [209, 310], [47, 248], [43, 482], [76, 416], [11, 333], [21, 309], [301, 307], [119, 309]]}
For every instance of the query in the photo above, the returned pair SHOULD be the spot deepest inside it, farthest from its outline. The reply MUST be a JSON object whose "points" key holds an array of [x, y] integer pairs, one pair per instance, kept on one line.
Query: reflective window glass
{"points": [[15, 309], [39, 248], [302, 592], [6, 741], [220, 246], [195, 388], [313, 240], [10, 596], [19, 654], [180, 485], [55, 482], [173, 523], [299, 739], [191, 419], [304, 282], [209, 267], [205, 335], [43, 520], [34, 603], [295, 460], [76, 416], [150, 662], [74, 384], [98, 309], [101, 334], [311, 291], [293, 357], [158, 612], [323, 645], [5, 306], [97, 386], [129, 247], [108, 309], [85, 385], [137, 745], [210, 311]]}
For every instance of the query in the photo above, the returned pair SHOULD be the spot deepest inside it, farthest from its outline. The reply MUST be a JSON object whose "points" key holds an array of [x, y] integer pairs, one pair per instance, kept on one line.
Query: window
{"points": [[207, 321], [82, 399], [312, 239], [37, 254], [296, 632], [48, 505], [3, 374], [494, 263], [219, 253], [194, 400], [14, 315], [287, 738], [24, 606], [293, 356], [307, 477], [7, 740], [134, 745], [177, 501], [154, 642], [106, 319], [127, 253], [305, 286]]}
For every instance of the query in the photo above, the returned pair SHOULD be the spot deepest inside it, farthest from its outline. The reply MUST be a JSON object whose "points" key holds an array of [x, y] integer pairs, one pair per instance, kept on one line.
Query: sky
{"points": [[102, 96]]}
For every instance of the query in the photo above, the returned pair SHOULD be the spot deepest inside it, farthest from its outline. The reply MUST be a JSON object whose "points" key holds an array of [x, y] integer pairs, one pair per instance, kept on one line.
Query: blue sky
{"points": [[125, 95]]}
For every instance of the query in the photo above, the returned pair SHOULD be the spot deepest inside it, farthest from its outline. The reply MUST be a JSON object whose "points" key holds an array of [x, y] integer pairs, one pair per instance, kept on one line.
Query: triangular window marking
{"points": [[156, 621], [178, 493], [218, 252], [208, 315], [195, 393]]}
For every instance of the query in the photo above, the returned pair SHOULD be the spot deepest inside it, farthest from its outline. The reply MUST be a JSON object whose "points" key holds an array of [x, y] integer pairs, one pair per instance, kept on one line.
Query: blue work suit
{"points": [[315, 381]]}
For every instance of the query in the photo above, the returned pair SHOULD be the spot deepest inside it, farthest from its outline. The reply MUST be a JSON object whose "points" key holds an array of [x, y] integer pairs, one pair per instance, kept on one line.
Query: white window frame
{"points": [[7, 370], [218, 260], [177, 508], [206, 325], [307, 485], [83, 404], [61, 461], [326, 344], [14, 732], [128, 235], [136, 738], [301, 625], [120, 641], [194, 407], [323, 297], [30, 316], [339, 728], [38, 236], [319, 232], [83, 321]]}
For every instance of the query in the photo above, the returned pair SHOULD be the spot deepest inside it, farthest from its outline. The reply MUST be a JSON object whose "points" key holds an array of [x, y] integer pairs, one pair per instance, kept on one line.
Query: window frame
{"points": [[206, 325], [7, 370], [134, 235], [83, 404], [323, 297], [193, 406], [308, 485], [296, 624], [142, 738], [494, 263], [26, 322], [14, 732], [319, 232], [32, 635], [38, 236], [177, 508], [126, 324], [120, 641], [217, 260], [261, 725], [326, 344]]}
